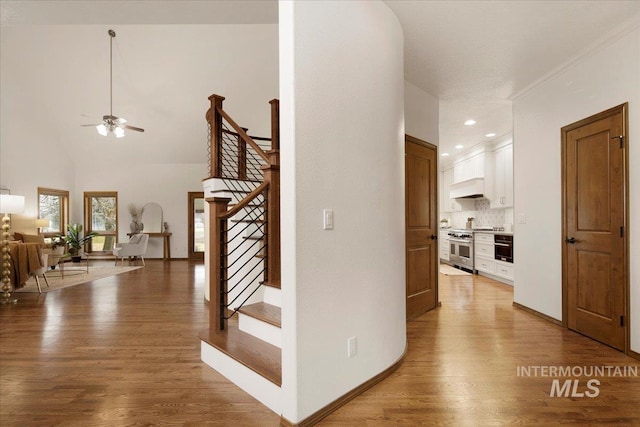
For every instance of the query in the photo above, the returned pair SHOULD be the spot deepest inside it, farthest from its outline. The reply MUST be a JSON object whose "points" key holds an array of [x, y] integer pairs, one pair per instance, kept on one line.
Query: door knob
{"points": [[434, 237], [571, 240]]}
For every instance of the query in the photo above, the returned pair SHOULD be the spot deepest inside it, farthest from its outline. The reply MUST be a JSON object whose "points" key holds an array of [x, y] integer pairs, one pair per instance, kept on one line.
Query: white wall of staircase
{"points": [[342, 148]]}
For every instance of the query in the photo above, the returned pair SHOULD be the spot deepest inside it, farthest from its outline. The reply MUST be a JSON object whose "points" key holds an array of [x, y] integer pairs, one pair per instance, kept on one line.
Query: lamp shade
{"points": [[11, 204], [42, 222]]}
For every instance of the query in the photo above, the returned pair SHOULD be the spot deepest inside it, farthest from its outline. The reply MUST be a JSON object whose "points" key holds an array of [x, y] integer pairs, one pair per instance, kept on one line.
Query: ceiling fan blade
{"points": [[97, 124], [133, 128]]}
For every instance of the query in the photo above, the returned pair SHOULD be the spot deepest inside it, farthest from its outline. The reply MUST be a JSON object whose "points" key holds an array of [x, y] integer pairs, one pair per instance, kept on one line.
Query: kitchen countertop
{"points": [[506, 233]]}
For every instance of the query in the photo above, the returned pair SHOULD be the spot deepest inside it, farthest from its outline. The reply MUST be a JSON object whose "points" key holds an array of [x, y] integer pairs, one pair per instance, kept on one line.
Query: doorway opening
{"points": [[196, 232]]}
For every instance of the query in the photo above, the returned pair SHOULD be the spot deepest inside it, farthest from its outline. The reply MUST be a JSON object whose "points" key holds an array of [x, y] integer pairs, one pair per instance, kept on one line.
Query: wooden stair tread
{"points": [[271, 285], [259, 356], [262, 311]]}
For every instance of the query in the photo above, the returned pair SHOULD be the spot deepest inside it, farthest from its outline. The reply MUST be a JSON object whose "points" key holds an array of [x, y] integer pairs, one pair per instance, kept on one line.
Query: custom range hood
{"points": [[470, 189]]}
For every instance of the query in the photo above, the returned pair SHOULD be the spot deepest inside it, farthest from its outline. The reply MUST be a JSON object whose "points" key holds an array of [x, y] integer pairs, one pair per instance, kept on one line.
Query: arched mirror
{"points": [[152, 218]]}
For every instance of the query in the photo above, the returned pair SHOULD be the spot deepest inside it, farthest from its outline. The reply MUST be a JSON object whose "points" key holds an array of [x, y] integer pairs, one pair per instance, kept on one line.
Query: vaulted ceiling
{"points": [[475, 56]]}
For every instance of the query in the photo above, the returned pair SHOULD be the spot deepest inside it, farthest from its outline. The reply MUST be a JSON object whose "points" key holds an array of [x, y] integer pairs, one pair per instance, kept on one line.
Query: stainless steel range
{"points": [[461, 250]]}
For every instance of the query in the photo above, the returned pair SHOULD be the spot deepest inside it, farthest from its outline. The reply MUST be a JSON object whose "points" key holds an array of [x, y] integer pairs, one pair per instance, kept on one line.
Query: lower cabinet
{"points": [[504, 269], [444, 245], [485, 265], [485, 262]]}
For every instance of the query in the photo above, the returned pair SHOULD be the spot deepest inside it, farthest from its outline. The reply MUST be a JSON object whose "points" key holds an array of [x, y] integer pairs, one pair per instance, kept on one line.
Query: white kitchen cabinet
{"points": [[501, 193], [472, 167], [485, 265], [447, 204], [484, 252], [444, 244], [504, 269]]}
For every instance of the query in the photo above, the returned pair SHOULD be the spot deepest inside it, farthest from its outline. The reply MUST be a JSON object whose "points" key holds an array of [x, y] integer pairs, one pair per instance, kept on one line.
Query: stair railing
{"points": [[238, 159]]}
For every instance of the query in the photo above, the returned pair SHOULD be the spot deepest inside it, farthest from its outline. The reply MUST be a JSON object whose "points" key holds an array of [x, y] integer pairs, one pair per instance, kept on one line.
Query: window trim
{"points": [[64, 214], [88, 195]]}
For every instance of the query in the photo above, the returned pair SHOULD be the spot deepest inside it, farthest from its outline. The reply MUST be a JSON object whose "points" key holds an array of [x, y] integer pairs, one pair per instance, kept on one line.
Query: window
{"points": [[54, 206], [101, 216]]}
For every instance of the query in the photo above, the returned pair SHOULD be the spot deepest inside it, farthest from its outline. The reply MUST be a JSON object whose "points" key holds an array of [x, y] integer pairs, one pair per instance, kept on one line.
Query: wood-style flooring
{"points": [[124, 351]]}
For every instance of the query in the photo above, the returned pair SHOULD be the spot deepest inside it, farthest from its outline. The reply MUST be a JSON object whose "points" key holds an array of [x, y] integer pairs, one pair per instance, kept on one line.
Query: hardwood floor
{"points": [[124, 350], [461, 369]]}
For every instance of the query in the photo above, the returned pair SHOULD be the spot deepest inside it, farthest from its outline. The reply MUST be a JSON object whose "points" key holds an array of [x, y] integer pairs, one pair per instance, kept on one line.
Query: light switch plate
{"points": [[522, 218], [327, 215], [352, 347]]}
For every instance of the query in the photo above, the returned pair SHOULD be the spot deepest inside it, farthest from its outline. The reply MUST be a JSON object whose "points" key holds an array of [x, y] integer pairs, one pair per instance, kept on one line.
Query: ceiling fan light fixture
{"points": [[111, 123]]}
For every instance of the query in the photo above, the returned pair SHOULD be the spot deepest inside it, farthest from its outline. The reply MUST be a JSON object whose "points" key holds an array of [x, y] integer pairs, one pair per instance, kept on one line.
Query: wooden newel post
{"points": [[272, 176], [275, 124], [218, 206], [215, 121]]}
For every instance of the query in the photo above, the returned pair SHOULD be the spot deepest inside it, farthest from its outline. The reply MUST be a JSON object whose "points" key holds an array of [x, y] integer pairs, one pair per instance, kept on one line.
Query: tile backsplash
{"points": [[483, 216]]}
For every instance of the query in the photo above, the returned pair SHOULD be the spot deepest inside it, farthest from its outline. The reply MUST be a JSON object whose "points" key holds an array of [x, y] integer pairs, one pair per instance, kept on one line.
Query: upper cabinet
{"points": [[447, 204], [502, 181], [472, 167]]}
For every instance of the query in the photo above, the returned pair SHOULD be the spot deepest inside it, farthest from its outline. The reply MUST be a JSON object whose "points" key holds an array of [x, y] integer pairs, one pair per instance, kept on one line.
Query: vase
{"points": [[133, 227]]}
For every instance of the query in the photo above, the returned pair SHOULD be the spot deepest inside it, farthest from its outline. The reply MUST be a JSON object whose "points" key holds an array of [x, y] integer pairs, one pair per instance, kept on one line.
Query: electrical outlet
{"points": [[327, 216], [352, 346], [522, 218]]}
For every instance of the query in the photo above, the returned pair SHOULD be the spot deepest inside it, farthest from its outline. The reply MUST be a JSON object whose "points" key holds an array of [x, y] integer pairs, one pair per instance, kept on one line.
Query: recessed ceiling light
{"points": [[470, 122], [489, 135], [444, 154], [459, 146]]}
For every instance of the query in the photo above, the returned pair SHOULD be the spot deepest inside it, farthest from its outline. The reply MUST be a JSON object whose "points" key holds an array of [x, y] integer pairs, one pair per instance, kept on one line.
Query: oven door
{"points": [[504, 252], [461, 250]]}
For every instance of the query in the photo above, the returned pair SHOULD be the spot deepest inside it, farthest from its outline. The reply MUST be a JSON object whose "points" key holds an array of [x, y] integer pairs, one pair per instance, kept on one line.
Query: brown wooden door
{"points": [[421, 210], [594, 260]]}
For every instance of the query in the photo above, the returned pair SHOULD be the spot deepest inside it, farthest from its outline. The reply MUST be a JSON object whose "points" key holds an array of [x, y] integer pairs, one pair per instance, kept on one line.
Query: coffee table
{"points": [[83, 259]]}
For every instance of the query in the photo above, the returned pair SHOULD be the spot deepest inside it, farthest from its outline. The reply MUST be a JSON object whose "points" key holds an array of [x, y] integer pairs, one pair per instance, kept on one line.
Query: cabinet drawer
{"points": [[504, 269], [484, 237], [486, 265], [484, 249]]}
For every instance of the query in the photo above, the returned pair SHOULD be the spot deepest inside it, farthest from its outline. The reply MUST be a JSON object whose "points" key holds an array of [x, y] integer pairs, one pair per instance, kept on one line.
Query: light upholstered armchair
{"points": [[136, 247]]}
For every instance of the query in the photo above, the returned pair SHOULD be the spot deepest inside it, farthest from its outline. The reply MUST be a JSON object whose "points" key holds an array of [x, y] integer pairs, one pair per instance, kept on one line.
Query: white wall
{"points": [[342, 149], [608, 77], [421, 114], [166, 185]]}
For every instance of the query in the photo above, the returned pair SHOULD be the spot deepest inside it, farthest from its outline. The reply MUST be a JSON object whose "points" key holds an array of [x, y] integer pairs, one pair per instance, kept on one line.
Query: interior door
{"points": [[594, 260], [196, 226], [421, 211]]}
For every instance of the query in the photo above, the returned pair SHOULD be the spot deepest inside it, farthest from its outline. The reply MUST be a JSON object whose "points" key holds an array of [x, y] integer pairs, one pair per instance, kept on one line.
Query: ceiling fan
{"points": [[111, 123]]}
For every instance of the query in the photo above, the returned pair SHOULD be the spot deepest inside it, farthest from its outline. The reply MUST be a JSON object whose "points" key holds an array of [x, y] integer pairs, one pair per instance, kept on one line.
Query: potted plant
{"points": [[54, 247], [76, 241]]}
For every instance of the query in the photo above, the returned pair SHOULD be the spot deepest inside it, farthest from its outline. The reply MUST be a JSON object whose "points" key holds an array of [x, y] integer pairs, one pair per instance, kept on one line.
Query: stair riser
{"points": [[259, 329], [272, 296], [256, 385]]}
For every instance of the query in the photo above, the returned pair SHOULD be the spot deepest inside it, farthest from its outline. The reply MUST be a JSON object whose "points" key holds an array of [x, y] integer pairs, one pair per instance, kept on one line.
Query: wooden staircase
{"points": [[244, 338]]}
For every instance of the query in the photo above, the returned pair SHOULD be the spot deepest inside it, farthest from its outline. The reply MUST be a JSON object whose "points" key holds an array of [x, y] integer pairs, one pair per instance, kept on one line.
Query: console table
{"points": [[166, 242]]}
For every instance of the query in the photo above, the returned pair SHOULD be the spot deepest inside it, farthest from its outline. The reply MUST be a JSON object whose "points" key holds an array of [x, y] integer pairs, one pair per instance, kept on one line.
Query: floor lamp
{"points": [[9, 204]]}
